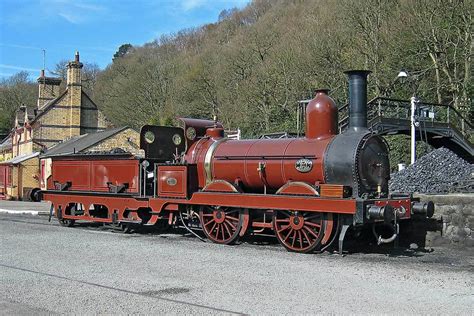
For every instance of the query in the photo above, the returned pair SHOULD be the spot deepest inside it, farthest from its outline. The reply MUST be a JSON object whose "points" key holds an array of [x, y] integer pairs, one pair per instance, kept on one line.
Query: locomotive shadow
{"points": [[413, 240]]}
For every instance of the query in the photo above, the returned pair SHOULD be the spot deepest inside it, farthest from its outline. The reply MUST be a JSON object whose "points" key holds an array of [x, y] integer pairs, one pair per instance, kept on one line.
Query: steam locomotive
{"points": [[307, 191]]}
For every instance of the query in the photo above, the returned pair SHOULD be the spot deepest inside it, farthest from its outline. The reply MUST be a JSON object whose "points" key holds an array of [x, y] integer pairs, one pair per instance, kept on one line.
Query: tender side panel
{"points": [[95, 175], [116, 172], [75, 171]]}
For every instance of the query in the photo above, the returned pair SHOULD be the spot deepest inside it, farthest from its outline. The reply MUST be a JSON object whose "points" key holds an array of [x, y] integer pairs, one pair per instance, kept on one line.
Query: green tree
{"points": [[123, 50], [15, 91]]}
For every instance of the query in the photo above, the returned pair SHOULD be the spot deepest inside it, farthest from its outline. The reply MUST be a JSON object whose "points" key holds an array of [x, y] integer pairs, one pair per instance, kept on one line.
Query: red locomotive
{"points": [[307, 190]]}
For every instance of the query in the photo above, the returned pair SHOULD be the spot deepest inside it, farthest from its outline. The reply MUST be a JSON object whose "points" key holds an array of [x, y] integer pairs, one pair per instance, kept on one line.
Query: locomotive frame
{"points": [[184, 173]]}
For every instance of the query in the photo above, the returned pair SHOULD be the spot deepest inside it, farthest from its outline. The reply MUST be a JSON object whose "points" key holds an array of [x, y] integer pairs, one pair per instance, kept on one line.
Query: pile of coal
{"points": [[440, 171]]}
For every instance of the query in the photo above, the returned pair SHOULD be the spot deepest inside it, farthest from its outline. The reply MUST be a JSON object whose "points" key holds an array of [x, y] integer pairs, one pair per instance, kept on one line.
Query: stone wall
{"points": [[54, 125], [456, 213]]}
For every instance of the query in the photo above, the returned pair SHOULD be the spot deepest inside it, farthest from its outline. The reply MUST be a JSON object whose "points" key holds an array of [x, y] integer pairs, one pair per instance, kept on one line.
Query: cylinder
{"points": [[321, 116], [357, 99]]}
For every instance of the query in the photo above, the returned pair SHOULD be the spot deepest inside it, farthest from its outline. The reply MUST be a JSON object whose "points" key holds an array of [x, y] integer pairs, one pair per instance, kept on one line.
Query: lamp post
{"points": [[402, 75], [413, 102]]}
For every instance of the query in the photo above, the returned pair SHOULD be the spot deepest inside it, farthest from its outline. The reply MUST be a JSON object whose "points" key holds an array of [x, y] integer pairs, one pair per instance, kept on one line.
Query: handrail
{"points": [[377, 105]]}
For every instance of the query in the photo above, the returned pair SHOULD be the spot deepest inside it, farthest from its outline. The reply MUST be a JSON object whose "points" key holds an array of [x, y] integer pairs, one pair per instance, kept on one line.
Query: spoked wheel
{"points": [[66, 222], [220, 224], [301, 231]]}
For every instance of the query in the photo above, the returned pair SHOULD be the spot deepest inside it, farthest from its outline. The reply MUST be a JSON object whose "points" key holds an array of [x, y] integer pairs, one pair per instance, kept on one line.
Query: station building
{"points": [[60, 118]]}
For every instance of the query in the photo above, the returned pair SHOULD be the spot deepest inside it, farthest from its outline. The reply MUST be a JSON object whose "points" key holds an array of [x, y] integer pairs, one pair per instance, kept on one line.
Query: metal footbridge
{"points": [[439, 125]]}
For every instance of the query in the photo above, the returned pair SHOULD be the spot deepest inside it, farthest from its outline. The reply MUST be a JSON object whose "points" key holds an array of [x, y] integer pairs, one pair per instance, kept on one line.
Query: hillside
{"points": [[253, 65]]}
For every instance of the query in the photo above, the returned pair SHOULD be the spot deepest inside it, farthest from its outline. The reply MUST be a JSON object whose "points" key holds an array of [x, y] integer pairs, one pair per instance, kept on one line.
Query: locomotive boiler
{"points": [[305, 191], [356, 158]]}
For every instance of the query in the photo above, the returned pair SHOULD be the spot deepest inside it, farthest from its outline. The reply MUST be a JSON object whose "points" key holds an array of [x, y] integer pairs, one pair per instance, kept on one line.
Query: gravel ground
{"points": [[48, 269]]}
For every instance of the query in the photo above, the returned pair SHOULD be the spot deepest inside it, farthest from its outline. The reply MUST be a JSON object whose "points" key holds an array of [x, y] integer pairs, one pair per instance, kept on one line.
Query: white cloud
{"points": [[20, 46], [18, 68], [192, 4], [188, 5], [70, 18]]}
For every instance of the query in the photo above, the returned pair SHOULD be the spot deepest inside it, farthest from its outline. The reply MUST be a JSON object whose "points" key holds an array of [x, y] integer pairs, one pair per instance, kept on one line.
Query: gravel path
{"points": [[47, 269]]}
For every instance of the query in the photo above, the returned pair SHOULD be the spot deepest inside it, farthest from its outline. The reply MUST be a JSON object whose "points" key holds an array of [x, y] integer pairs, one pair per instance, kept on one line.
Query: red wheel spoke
{"points": [[211, 221], [289, 233], [217, 231], [313, 224], [227, 228], [222, 230], [285, 220], [212, 229], [207, 215], [283, 228], [300, 238], [230, 223], [293, 239], [311, 231], [306, 236], [233, 218]]}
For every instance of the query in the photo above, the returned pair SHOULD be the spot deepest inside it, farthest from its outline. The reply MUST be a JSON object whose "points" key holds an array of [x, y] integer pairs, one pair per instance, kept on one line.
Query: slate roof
{"points": [[19, 159], [82, 142], [6, 143]]}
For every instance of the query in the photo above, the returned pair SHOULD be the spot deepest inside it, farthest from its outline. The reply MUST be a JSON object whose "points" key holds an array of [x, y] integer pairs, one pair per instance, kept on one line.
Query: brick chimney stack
{"points": [[48, 89], [74, 87], [74, 72]]}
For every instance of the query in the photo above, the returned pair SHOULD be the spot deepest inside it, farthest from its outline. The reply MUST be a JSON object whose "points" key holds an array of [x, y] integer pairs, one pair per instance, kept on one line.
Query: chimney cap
{"points": [[355, 72]]}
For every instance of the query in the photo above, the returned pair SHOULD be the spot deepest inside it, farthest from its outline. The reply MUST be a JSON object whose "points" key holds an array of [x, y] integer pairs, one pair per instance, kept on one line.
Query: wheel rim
{"points": [[221, 225], [299, 231]]}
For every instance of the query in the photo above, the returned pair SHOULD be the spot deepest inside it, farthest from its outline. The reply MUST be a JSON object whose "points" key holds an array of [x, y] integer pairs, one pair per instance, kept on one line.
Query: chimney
{"points": [[74, 72], [74, 94], [357, 99], [48, 89]]}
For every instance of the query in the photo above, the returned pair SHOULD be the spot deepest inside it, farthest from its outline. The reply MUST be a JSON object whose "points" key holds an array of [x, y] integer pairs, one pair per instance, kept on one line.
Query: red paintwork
{"points": [[263, 202], [403, 206], [298, 188], [215, 132], [321, 112], [89, 174], [114, 204], [5, 180], [220, 186], [239, 159], [172, 181], [196, 154]]}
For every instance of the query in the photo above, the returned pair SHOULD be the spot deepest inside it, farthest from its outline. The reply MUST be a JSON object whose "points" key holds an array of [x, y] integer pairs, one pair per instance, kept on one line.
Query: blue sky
{"points": [[93, 27]]}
